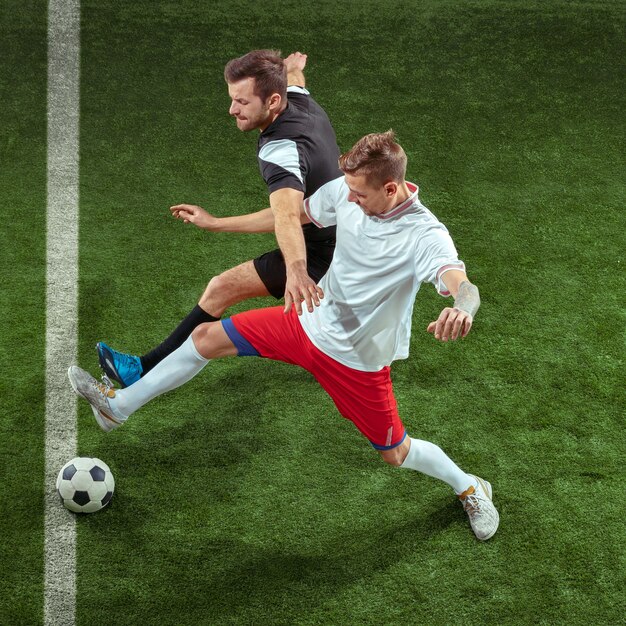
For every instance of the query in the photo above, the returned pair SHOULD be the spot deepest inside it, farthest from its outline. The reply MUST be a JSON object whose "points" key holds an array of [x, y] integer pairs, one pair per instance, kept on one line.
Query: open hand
{"points": [[192, 214], [301, 288]]}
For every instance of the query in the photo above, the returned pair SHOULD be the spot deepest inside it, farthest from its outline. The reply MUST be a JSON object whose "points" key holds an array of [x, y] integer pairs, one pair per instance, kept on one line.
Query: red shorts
{"points": [[365, 398]]}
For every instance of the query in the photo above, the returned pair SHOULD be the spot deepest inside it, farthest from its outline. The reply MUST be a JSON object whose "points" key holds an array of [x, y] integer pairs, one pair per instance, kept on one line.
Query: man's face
{"points": [[373, 200], [246, 107]]}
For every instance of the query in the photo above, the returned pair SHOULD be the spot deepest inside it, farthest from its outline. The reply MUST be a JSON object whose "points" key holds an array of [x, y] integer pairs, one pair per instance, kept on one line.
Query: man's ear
{"points": [[391, 188], [274, 102]]}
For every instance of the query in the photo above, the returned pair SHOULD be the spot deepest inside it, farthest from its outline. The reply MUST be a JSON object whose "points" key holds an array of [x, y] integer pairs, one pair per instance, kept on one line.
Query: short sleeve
{"points": [[295, 91], [435, 255], [280, 165], [321, 206]]}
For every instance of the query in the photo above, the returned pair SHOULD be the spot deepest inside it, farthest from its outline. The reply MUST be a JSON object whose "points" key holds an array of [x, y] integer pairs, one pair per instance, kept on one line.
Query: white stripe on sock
{"points": [[61, 303]]}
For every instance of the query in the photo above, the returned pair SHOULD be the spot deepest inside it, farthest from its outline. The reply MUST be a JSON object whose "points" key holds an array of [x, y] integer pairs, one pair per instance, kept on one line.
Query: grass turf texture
{"points": [[22, 308], [245, 498]]}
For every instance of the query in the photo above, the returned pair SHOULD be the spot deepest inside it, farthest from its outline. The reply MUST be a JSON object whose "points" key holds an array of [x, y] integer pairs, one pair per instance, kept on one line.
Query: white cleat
{"points": [[97, 394], [483, 516]]}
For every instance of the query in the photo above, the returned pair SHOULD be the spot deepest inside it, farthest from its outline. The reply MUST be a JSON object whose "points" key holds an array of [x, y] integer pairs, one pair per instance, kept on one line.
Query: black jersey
{"points": [[298, 150]]}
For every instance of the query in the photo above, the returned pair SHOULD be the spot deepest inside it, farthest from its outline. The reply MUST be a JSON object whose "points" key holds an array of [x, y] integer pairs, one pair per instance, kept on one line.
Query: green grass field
{"points": [[244, 498]]}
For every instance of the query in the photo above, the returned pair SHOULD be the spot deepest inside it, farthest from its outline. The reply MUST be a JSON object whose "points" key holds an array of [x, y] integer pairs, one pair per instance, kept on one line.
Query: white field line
{"points": [[61, 303]]}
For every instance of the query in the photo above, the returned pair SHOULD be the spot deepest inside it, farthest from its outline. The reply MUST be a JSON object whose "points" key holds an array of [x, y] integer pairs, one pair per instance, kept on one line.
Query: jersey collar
{"points": [[403, 207]]}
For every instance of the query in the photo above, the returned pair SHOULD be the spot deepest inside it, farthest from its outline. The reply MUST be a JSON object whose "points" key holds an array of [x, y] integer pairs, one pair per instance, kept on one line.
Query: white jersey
{"points": [[364, 319]]}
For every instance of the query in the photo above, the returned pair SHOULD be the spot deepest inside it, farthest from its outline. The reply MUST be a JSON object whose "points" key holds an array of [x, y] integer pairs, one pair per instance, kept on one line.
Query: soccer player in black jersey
{"points": [[297, 153]]}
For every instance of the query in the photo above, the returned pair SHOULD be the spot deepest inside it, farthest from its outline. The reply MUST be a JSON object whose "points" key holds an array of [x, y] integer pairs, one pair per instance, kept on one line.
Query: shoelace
{"points": [[471, 504], [107, 382], [102, 388]]}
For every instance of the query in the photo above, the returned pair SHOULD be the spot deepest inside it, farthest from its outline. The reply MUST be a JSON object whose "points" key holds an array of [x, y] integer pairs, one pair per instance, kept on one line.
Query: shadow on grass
{"points": [[230, 581], [217, 510]]}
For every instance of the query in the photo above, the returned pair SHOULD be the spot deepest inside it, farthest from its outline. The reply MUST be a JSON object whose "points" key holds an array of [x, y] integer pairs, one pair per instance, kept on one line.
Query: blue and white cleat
{"points": [[123, 368]]}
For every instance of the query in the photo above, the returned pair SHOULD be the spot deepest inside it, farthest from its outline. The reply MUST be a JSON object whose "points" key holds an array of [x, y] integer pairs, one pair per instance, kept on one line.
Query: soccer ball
{"points": [[85, 485]]}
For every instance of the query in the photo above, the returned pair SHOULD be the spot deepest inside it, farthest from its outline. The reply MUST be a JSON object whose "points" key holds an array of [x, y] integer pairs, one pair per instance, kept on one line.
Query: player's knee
{"points": [[215, 284], [395, 456], [201, 334], [213, 293], [200, 331]]}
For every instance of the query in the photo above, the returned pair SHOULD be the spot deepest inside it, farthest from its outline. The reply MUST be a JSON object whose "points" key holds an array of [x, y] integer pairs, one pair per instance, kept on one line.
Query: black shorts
{"points": [[271, 266]]}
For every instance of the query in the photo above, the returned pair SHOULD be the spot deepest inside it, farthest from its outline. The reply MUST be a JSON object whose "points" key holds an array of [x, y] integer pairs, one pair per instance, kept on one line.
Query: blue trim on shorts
{"points": [[395, 445], [244, 347]]}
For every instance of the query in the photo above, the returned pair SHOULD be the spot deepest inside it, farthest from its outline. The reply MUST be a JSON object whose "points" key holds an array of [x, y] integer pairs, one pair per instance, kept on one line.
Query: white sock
{"points": [[174, 370], [430, 459]]}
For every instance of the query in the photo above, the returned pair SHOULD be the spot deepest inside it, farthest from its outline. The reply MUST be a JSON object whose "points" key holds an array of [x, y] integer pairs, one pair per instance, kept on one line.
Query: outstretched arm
{"points": [[455, 322], [295, 63], [259, 222]]}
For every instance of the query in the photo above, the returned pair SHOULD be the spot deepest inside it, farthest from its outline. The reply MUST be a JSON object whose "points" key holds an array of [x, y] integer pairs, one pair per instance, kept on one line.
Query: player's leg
{"points": [[427, 458], [276, 336], [207, 341], [265, 275], [235, 285], [112, 407], [474, 492], [230, 287], [367, 399]]}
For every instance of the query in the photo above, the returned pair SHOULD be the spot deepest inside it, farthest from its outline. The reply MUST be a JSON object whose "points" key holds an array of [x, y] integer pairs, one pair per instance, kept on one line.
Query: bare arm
{"points": [[456, 321], [295, 63], [258, 222], [288, 207]]}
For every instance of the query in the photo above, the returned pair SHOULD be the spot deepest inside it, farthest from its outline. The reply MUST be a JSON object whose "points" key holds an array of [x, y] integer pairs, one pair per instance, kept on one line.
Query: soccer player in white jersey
{"points": [[388, 244]]}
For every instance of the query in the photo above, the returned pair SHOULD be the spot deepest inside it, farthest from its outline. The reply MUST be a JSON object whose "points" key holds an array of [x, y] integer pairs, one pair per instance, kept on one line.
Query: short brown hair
{"points": [[266, 67], [377, 156]]}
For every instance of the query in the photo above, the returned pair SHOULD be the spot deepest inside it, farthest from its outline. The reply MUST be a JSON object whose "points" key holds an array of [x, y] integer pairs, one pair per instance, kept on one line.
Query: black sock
{"points": [[176, 339]]}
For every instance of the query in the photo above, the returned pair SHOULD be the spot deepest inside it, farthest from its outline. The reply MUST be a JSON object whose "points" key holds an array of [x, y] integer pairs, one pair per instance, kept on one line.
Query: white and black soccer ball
{"points": [[85, 485]]}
